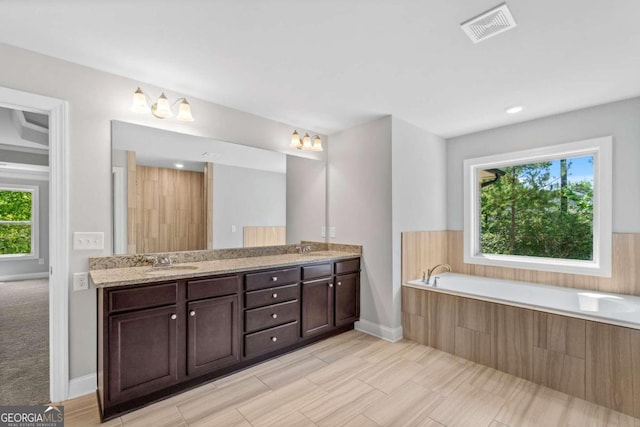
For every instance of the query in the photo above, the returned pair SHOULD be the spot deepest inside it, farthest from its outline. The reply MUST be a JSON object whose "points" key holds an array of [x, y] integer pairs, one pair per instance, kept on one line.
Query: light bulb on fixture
{"points": [[161, 108], [295, 140], [307, 143]]}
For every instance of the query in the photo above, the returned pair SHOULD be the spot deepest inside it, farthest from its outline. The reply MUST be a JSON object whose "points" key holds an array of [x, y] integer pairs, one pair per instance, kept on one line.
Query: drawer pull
{"points": [[331, 285], [192, 313], [174, 317], [274, 295], [274, 279], [274, 316], [339, 283], [274, 339]]}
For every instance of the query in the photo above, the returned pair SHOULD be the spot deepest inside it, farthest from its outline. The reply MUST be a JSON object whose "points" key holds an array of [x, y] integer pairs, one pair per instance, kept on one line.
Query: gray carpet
{"points": [[24, 342]]}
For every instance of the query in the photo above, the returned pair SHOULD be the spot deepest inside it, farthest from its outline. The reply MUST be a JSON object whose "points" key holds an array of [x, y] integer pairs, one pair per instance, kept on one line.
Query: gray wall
{"points": [[11, 270], [306, 199], [359, 195], [619, 119], [246, 197], [89, 156], [419, 201]]}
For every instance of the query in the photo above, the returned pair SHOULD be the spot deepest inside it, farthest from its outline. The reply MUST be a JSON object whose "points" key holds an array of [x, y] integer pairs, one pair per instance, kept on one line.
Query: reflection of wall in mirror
{"points": [[245, 197]]}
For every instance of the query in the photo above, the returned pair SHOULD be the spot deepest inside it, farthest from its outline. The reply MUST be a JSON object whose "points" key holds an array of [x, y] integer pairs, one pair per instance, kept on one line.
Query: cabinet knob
{"points": [[331, 285], [274, 339], [274, 279], [274, 295], [174, 317], [192, 313], [274, 316], [339, 283]]}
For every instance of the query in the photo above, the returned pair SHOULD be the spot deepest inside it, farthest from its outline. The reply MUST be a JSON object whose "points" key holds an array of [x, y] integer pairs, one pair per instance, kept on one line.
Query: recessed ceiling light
{"points": [[515, 109], [179, 165]]}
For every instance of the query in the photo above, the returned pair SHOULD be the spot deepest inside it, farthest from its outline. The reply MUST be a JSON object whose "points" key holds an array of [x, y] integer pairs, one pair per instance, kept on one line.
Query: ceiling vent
{"points": [[489, 23]]}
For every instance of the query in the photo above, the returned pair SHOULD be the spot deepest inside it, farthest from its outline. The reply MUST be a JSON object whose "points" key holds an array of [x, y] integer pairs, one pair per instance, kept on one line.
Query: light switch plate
{"points": [[88, 241]]}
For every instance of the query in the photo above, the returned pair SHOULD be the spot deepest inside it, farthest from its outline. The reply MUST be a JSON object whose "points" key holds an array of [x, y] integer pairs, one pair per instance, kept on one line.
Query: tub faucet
{"points": [[432, 271]]}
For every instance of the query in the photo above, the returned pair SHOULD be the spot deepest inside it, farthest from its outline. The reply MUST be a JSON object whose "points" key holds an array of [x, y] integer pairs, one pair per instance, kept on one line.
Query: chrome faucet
{"points": [[430, 272], [162, 261]]}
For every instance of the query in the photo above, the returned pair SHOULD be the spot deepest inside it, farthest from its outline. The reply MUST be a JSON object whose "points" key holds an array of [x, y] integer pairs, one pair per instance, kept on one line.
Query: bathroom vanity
{"points": [[161, 332]]}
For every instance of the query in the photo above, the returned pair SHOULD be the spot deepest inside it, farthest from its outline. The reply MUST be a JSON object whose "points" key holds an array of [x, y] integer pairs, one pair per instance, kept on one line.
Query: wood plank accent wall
{"points": [[264, 236], [169, 210], [208, 202], [424, 249]]}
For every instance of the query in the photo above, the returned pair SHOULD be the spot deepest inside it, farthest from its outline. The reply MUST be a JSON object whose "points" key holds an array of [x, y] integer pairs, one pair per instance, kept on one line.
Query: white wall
{"points": [[95, 98], [418, 191], [619, 119], [245, 197], [359, 206], [306, 199]]}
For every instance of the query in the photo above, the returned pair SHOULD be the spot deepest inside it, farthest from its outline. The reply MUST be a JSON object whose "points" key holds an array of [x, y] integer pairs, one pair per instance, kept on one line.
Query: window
{"points": [[18, 222], [543, 209]]}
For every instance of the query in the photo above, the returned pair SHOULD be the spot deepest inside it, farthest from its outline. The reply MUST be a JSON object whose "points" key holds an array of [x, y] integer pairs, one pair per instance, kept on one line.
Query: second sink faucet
{"points": [[431, 271]]}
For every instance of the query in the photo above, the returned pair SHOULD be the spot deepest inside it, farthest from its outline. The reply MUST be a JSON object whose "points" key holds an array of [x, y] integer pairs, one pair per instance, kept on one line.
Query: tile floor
{"points": [[354, 379]]}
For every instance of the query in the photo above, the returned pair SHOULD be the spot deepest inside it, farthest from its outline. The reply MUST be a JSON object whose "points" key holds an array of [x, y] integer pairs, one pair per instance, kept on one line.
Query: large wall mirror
{"points": [[177, 192]]}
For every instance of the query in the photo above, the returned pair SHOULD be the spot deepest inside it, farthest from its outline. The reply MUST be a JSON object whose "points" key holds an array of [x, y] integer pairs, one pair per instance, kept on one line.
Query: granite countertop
{"points": [[146, 274]]}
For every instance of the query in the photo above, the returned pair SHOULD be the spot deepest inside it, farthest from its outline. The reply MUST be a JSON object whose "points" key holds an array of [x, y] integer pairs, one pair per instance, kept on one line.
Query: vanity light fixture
{"points": [[161, 108], [305, 143]]}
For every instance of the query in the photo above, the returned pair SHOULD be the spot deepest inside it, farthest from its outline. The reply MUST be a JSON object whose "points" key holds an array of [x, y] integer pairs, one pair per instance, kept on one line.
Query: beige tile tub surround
{"points": [[378, 383], [424, 249]]}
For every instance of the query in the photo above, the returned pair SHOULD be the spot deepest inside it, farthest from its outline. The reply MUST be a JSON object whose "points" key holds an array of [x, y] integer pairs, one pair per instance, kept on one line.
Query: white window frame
{"points": [[35, 221], [600, 265]]}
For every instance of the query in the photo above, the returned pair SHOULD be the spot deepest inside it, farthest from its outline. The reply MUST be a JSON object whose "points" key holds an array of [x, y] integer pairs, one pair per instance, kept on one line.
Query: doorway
{"points": [[56, 311]]}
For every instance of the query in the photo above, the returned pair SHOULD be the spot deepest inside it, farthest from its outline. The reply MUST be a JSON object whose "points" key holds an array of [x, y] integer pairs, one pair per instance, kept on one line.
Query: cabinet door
{"points": [[317, 307], [213, 334], [347, 298], [142, 352]]}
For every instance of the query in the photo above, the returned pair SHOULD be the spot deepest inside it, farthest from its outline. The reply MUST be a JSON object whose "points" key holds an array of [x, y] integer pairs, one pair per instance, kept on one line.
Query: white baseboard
{"points": [[24, 276], [83, 385], [384, 332]]}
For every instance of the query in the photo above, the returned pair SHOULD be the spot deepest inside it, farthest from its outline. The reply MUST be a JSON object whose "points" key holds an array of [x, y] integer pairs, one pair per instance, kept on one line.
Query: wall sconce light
{"points": [[305, 143], [161, 108]]}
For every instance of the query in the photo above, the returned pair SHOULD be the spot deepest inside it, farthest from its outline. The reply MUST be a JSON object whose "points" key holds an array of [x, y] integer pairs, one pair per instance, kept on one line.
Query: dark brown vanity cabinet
{"points": [[332, 301], [159, 338]]}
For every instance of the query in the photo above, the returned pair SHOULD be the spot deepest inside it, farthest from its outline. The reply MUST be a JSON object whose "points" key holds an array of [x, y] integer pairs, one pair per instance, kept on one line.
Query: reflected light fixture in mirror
{"points": [[305, 143], [161, 108]]}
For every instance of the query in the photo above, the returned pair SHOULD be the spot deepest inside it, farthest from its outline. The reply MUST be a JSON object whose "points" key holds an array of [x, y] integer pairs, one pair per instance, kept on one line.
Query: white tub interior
{"points": [[622, 310]]}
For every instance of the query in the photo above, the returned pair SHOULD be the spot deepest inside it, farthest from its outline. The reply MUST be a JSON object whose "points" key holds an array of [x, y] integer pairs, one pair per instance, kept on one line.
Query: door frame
{"points": [[58, 232]]}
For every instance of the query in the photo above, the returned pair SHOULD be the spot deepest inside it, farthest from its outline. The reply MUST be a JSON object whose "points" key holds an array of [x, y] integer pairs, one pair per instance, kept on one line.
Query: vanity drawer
{"points": [[317, 271], [268, 279], [255, 299], [213, 287], [348, 266], [143, 297], [271, 315], [271, 339]]}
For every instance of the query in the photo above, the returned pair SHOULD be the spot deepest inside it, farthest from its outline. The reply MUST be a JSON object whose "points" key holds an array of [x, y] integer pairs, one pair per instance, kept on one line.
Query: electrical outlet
{"points": [[323, 231], [80, 281], [332, 232], [233, 228]]}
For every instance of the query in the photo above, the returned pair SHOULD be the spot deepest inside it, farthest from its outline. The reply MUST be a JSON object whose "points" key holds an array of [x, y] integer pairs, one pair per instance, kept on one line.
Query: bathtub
{"points": [[615, 309]]}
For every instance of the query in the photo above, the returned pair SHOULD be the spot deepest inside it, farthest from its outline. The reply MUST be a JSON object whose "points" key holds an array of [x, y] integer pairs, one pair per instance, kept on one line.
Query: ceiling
{"points": [[332, 64]]}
